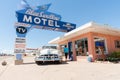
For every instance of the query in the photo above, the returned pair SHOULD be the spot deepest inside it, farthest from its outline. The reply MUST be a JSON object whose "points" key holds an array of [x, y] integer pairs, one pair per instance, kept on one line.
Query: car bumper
{"points": [[46, 60]]}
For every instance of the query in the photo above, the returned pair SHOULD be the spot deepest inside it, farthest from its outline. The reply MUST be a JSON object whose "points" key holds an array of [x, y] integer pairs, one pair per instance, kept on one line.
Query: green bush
{"points": [[114, 57]]}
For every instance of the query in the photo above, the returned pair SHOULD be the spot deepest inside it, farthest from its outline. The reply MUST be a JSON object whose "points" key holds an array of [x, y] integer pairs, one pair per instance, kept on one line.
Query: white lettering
{"points": [[31, 12], [50, 23], [43, 14], [44, 21], [27, 19], [56, 24], [37, 20], [21, 30]]}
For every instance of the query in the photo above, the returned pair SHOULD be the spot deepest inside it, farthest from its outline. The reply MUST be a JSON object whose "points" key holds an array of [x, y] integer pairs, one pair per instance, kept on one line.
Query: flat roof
{"points": [[88, 27]]}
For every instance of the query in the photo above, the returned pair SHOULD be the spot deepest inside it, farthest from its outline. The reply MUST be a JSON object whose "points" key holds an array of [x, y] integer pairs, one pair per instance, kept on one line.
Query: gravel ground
{"points": [[75, 70]]}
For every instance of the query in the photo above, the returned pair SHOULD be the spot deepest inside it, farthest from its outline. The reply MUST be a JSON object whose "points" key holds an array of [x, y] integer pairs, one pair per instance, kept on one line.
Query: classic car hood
{"points": [[49, 51]]}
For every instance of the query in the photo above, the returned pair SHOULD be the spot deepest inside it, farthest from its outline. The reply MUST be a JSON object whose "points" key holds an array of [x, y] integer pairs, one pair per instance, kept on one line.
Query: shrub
{"points": [[114, 57]]}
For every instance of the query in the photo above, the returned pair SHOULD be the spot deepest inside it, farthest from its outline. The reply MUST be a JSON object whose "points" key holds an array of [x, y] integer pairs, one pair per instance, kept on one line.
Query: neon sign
{"points": [[40, 18], [37, 17]]}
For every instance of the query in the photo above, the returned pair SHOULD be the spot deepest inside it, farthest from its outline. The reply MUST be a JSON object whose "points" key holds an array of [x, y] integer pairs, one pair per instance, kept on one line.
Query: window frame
{"points": [[117, 43]]}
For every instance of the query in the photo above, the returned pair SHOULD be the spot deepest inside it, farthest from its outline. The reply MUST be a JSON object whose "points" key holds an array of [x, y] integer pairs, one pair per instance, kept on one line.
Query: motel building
{"points": [[90, 39]]}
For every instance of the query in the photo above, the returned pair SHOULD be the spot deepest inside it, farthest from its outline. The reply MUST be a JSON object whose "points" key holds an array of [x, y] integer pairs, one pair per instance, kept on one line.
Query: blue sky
{"points": [[74, 11]]}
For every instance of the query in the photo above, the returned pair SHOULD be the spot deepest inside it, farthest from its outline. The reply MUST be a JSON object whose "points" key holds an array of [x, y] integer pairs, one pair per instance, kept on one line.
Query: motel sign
{"points": [[40, 18]]}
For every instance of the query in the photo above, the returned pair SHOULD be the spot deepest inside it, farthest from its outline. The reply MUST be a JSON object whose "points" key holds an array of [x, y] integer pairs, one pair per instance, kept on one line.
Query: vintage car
{"points": [[48, 56]]}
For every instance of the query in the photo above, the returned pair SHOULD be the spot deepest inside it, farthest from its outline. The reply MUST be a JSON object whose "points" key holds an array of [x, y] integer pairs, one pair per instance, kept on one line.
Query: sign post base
{"points": [[18, 62]]}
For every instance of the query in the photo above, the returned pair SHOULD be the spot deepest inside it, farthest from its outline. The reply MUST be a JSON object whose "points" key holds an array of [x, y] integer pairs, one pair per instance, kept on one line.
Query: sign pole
{"points": [[39, 18], [20, 46]]}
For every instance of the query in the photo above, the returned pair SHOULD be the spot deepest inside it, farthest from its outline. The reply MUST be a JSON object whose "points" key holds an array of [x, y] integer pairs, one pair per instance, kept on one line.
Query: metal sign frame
{"points": [[38, 17]]}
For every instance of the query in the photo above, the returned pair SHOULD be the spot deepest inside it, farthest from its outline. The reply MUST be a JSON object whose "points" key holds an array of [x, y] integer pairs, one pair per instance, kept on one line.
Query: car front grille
{"points": [[49, 56]]}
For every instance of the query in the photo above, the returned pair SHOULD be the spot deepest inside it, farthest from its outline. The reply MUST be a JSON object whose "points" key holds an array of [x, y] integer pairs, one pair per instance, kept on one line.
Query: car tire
{"points": [[60, 62], [39, 62], [57, 62]]}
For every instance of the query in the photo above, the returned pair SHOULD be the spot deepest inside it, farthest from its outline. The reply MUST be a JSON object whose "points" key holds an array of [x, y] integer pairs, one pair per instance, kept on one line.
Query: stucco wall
{"points": [[110, 42]]}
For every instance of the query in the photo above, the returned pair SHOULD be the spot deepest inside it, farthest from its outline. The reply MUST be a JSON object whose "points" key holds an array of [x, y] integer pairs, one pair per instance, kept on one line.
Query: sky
{"points": [[78, 12]]}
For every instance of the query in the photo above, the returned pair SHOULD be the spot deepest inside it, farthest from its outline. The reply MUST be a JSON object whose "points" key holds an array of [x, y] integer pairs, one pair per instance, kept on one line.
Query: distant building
{"points": [[32, 51]]}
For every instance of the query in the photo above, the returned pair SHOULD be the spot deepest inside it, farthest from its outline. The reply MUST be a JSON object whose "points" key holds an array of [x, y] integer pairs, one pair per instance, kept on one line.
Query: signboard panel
{"points": [[19, 50], [31, 48], [21, 24], [46, 23], [19, 56], [21, 30], [20, 45], [99, 43], [20, 40]]}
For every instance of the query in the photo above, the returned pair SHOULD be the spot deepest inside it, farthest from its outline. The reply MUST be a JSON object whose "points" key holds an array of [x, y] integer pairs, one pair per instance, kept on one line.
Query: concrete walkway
{"points": [[78, 70]]}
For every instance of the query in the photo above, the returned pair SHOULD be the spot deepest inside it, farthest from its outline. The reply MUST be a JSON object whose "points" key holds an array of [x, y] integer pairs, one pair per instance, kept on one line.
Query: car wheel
{"points": [[39, 62], [60, 62], [57, 62]]}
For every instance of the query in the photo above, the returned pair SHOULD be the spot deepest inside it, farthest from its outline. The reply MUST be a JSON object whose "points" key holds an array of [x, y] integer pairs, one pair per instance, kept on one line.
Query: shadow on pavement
{"points": [[28, 63], [51, 63], [46, 63]]}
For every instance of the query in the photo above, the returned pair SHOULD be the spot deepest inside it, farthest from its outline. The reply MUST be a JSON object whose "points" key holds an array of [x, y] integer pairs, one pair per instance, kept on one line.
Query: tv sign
{"points": [[21, 30]]}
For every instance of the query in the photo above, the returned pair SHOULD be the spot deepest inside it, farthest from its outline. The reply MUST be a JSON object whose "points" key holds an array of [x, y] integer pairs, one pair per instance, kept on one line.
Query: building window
{"points": [[100, 46], [117, 44], [81, 47]]}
